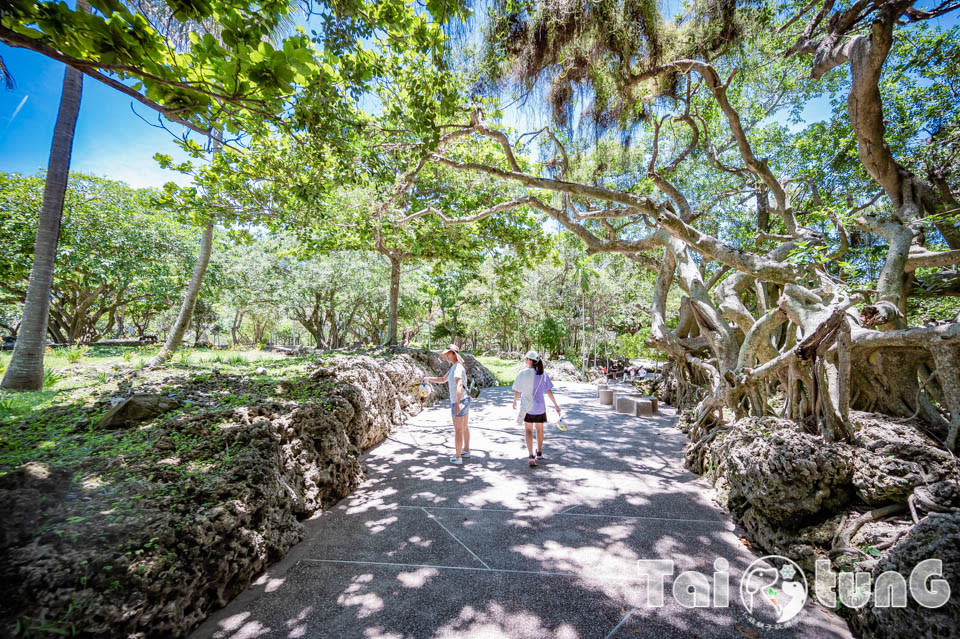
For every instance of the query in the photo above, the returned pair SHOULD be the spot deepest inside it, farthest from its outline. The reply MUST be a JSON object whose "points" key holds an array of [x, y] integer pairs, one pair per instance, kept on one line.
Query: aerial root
{"points": [[846, 531]]}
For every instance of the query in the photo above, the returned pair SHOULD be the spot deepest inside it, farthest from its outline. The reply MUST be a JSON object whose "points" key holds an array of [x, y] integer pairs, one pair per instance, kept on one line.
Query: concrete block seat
{"points": [[617, 394], [606, 396], [636, 405]]}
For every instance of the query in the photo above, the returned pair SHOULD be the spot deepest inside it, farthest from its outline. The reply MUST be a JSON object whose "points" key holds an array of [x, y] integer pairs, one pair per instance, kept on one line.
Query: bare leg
{"points": [[457, 435], [528, 427], [539, 437], [466, 432]]}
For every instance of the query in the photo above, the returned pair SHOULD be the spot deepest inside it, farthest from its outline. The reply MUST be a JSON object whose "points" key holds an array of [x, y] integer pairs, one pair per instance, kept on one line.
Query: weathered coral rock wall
{"points": [[801, 497], [195, 545]]}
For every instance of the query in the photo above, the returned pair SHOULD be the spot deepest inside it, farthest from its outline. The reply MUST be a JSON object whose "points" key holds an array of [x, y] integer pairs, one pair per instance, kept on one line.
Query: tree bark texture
{"points": [[25, 371], [175, 338], [395, 264]]}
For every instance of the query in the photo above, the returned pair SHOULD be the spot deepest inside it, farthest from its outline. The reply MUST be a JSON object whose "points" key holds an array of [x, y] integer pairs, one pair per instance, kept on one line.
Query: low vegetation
{"points": [[133, 488]]}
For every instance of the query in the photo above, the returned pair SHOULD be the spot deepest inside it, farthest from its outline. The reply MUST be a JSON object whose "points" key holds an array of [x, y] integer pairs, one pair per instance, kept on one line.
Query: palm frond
{"points": [[6, 75]]}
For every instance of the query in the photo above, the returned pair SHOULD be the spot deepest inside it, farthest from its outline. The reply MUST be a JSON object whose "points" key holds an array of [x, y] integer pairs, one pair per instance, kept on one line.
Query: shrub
{"points": [[7, 405], [75, 352], [51, 377]]}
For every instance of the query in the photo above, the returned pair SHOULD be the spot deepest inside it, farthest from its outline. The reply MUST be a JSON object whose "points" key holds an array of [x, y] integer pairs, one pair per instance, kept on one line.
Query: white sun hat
{"points": [[453, 348]]}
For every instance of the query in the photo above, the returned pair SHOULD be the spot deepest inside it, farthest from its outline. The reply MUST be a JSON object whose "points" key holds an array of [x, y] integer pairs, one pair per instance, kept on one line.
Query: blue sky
{"points": [[110, 140]]}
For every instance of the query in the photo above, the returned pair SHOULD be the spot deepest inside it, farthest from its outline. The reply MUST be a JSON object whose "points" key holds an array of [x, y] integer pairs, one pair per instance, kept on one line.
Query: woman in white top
{"points": [[529, 388], [456, 379]]}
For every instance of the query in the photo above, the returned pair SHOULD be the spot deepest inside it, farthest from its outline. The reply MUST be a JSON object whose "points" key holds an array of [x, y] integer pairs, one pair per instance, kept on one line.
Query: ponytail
{"points": [[538, 366]]}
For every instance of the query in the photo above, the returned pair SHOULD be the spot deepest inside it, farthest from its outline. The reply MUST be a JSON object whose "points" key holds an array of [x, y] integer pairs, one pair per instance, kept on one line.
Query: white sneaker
{"points": [[465, 453], [456, 460]]}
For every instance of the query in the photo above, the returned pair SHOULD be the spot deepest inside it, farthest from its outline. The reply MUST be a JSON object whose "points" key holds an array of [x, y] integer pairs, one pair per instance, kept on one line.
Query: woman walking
{"points": [[456, 379], [529, 387]]}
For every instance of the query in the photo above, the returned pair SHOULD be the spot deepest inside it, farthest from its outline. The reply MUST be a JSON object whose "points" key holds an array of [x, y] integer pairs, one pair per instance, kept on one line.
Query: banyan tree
{"points": [[798, 251]]}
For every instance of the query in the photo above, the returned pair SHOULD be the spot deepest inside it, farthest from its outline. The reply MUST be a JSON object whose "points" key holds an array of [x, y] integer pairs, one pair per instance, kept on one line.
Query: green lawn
{"points": [[57, 424], [505, 370], [97, 369]]}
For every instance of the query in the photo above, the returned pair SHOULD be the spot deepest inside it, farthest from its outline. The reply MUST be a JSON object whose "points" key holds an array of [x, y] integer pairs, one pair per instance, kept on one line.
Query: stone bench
{"points": [[606, 396], [636, 405], [601, 387]]}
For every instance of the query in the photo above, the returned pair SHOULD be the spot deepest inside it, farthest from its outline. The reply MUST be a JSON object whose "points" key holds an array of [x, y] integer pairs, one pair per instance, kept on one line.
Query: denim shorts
{"points": [[465, 407]]}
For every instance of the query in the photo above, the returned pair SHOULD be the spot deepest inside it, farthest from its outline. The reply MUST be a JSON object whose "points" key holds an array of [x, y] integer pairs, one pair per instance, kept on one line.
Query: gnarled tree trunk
{"points": [[395, 264]]}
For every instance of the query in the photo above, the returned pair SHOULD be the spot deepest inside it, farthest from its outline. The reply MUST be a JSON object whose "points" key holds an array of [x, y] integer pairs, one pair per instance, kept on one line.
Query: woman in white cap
{"points": [[456, 379], [529, 388]]}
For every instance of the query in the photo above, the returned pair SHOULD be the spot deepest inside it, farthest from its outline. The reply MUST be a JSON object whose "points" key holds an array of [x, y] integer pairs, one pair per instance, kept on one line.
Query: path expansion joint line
{"points": [[439, 523]]}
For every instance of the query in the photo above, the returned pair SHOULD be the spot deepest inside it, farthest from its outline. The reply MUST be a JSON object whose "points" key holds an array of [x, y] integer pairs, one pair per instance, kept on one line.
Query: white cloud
{"points": [[17, 110]]}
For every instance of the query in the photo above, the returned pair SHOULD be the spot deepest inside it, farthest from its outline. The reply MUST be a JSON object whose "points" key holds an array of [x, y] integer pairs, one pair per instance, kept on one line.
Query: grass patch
{"points": [[231, 357], [57, 425], [505, 370], [62, 436], [125, 508], [76, 374], [13, 404]]}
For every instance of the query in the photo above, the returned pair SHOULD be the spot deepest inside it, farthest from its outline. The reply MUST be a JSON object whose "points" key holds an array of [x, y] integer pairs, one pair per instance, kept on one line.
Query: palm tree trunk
{"points": [[175, 338], [25, 371]]}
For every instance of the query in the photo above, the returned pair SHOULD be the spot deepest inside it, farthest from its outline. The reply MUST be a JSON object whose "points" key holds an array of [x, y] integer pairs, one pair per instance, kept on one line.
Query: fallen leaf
{"points": [[749, 633], [746, 542]]}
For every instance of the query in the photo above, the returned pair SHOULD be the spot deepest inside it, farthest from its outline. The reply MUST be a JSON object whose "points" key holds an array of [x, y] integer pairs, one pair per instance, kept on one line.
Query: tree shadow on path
{"points": [[495, 548]]}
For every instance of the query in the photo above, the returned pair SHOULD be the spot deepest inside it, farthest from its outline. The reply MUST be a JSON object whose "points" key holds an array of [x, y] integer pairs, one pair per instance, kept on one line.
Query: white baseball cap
{"points": [[534, 355]]}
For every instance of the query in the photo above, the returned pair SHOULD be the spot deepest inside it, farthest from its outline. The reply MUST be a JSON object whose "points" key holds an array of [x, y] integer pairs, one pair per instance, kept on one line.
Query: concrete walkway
{"points": [[494, 548]]}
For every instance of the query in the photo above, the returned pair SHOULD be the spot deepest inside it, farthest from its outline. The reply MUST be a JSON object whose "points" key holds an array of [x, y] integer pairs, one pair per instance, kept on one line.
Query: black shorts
{"points": [[535, 419]]}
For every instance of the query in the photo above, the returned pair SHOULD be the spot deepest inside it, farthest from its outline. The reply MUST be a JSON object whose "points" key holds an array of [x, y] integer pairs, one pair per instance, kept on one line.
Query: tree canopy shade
{"points": [[141, 258], [683, 157], [212, 68]]}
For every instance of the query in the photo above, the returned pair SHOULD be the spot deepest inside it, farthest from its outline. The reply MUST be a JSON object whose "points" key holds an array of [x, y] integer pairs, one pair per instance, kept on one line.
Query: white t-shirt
{"points": [[457, 371]]}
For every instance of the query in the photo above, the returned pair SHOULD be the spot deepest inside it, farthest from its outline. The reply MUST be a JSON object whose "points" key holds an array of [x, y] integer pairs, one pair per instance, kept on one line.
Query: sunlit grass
{"points": [[96, 367], [199, 355], [505, 370], [102, 356], [14, 404]]}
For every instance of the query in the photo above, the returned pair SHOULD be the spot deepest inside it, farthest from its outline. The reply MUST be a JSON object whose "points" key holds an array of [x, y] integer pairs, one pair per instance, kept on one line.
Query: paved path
{"points": [[494, 548]]}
